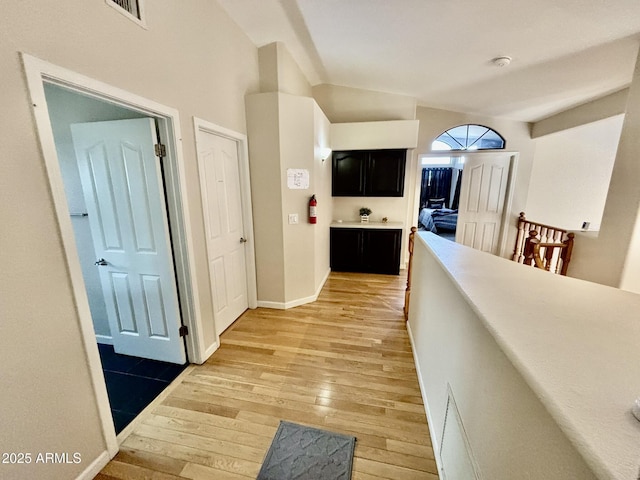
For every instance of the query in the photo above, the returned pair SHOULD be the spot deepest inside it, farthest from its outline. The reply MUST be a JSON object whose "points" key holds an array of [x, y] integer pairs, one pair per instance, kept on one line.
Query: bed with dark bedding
{"points": [[438, 219]]}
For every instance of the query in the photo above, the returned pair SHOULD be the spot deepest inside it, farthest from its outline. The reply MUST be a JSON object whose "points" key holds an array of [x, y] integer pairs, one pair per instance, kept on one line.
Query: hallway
{"points": [[342, 363]]}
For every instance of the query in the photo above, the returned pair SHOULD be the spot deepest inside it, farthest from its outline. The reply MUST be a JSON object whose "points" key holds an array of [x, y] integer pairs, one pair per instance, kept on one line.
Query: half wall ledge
{"points": [[543, 369]]}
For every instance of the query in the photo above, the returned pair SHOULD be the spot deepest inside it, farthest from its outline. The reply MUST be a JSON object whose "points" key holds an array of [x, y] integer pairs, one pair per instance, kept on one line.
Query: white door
{"points": [[224, 228], [123, 191], [482, 199]]}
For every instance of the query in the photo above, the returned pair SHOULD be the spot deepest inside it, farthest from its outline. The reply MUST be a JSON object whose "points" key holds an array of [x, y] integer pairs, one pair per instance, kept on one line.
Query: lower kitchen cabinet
{"points": [[368, 250]]}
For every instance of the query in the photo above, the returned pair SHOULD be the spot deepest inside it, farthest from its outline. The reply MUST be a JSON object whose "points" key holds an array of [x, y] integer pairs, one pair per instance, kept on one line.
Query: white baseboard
{"points": [[209, 351], [432, 433], [94, 468], [104, 339], [297, 302], [267, 304]]}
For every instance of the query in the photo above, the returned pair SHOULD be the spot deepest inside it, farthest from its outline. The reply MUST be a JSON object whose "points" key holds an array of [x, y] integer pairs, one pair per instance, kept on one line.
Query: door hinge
{"points": [[161, 150], [183, 331]]}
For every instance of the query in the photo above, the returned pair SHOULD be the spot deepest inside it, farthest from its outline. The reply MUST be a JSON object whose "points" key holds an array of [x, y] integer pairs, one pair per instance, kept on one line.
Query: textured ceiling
{"points": [[565, 53]]}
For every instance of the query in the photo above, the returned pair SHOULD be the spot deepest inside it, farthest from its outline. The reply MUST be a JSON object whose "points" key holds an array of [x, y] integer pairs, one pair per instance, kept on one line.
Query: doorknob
{"points": [[243, 240], [101, 261]]}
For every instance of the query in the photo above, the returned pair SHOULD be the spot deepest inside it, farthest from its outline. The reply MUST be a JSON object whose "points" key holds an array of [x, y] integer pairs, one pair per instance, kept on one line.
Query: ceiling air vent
{"points": [[130, 8]]}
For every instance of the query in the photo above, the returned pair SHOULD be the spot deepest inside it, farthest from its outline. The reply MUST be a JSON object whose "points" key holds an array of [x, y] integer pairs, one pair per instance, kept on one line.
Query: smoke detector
{"points": [[501, 61]]}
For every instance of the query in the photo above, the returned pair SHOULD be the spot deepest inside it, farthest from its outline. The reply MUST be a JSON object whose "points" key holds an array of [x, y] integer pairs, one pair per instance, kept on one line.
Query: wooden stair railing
{"points": [[407, 292], [543, 246]]}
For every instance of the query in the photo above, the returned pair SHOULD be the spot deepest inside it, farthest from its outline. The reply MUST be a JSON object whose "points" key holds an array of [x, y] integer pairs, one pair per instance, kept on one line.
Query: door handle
{"points": [[243, 240], [101, 261]]}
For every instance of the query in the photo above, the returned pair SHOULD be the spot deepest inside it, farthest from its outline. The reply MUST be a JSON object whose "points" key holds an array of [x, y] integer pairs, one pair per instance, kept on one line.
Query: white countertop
{"points": [[576, 344], [370, 224]]}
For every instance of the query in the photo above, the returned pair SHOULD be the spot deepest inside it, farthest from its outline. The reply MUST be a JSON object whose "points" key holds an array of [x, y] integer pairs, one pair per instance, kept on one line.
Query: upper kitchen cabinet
{"points": [[369, 173]]}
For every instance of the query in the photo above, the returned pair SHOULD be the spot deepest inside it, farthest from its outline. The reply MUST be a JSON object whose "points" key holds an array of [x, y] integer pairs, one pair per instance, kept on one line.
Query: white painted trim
{"points": [[508, 204], [322, 282], [298, 301], [451, 400], [104, 339], [37, 72], [94, 468], [508, 201], [274, 305], [141, 22], [171, 135], [432, 433], [211, 350], [205, 126], [128, 430]]}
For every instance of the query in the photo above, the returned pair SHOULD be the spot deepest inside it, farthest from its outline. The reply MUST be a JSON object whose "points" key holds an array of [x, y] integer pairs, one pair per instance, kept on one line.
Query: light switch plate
{"points": [[293, 219]]}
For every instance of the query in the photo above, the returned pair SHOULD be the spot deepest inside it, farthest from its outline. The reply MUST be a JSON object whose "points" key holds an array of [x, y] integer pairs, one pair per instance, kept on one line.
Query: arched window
{"points": [[468, 137]]}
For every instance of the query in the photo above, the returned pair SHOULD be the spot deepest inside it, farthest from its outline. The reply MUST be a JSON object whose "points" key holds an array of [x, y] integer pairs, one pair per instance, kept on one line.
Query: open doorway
{"points": [[38, 74], [440, 181], [471, 202], [115, 191]]}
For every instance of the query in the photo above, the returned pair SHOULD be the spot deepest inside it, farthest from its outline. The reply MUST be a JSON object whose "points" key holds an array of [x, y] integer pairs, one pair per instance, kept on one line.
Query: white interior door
{"points": [[224, 227], [123, 190], [482, 199]]}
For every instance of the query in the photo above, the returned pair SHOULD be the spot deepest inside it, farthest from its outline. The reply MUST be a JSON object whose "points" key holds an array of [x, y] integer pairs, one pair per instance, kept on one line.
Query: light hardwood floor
{"points": [[342, 363]]}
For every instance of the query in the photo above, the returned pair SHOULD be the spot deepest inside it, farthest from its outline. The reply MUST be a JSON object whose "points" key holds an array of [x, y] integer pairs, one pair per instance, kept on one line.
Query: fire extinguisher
{"points": [[313, 216]]}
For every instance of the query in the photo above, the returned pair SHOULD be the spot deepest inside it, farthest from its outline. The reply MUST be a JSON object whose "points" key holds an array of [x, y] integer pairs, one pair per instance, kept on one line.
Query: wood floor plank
{"points": [[410, 448], [200, 472], [149, 460], [186, 454], [342, 363], [128, 471]]}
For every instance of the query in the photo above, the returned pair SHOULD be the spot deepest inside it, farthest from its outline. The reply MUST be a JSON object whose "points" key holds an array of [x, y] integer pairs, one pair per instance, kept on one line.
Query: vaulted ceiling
{"points": [[565, 52]]}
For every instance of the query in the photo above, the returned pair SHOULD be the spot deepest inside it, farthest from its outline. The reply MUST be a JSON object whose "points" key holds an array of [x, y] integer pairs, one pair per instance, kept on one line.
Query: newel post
{"points": [[407, 292]]}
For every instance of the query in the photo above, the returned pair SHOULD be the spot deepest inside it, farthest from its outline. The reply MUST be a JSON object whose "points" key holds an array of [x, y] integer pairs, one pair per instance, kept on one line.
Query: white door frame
{"points": [[203, 126], [39, 72], [508, 200]]}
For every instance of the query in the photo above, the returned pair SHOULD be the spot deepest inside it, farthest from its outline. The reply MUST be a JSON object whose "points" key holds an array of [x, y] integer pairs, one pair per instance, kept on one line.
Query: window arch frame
{"points": [[466, 147]]}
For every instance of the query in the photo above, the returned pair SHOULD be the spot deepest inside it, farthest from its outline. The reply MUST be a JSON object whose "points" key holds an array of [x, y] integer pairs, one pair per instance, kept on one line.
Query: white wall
{"points": [[287, 130], [297, 151], [292, 260], [510, 432], [322, 181], [571, 173], [433, 122], [344, 104], [263, 133], [279, 72], [66, 108], [613, 257], [192, 57]]}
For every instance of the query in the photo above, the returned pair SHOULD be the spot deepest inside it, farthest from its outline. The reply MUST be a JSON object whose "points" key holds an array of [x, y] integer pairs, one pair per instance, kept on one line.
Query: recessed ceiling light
{"points": [[501, 61]]}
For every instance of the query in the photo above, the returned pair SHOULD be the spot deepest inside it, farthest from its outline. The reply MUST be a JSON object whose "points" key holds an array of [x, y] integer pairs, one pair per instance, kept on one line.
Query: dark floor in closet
{"points": [[133, 383]]}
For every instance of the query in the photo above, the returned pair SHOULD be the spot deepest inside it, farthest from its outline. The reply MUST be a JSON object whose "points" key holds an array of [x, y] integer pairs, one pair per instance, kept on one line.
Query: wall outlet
{"points": [[293, 219]]}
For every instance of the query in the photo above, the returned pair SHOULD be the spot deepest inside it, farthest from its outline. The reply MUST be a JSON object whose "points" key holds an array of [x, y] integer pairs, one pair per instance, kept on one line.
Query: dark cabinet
{"points": [[368, 250], [369, 173]]}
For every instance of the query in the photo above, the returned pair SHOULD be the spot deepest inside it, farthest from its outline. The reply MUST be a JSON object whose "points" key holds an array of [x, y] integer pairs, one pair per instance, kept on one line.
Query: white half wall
{"points": [[571, 173], [533, 362]]}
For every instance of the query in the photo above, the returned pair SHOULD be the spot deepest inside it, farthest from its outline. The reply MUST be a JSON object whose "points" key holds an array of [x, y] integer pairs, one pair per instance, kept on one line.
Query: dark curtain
{"points": [[436, 183], [456, 195]]}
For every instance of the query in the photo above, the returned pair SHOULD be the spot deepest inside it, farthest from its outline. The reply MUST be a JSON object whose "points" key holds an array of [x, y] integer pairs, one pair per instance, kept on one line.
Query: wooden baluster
{"points": [[558, 252], [520, 239], [407, 292], [537, 258], [528, 247], [543, 246], [566, 254], [549, 252]]}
